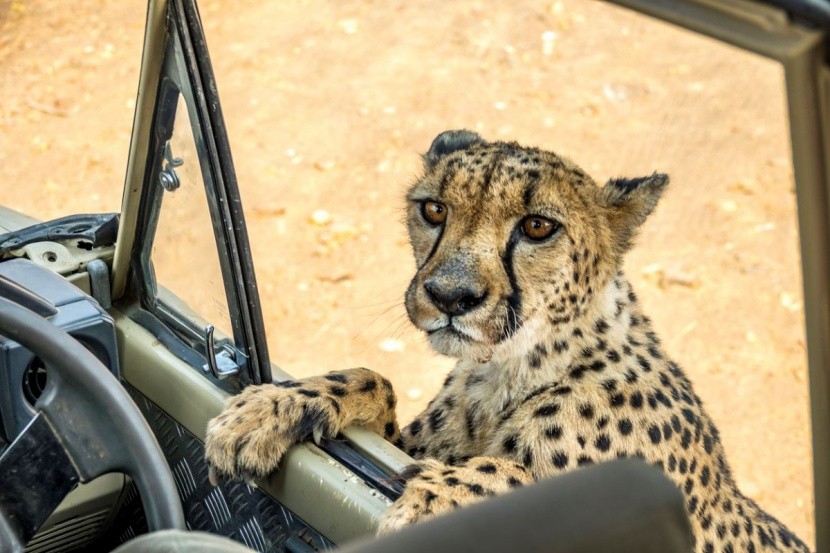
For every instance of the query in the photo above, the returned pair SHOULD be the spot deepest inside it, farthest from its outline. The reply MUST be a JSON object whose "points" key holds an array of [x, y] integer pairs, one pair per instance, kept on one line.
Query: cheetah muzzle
{"points": [[519, 255]]}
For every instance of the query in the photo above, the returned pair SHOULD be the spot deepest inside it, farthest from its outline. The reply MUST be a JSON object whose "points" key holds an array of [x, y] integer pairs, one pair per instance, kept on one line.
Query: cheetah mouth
{"points": [[450, 329]]}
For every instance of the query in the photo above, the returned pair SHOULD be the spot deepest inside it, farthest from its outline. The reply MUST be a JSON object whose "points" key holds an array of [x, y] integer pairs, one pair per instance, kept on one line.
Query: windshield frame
{"points": [[182, 67]]}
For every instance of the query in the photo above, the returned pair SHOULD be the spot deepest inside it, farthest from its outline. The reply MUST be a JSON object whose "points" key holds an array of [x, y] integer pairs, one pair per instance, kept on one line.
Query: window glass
{"points": [[185, 255]]}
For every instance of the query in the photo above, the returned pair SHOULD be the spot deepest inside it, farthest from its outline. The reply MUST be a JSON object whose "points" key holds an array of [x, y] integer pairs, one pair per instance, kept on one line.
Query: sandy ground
{"points": [[328, 105]]}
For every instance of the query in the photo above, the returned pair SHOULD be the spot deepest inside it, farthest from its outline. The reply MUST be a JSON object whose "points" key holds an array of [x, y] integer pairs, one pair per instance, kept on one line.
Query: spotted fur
{"points": [[558, 366]]}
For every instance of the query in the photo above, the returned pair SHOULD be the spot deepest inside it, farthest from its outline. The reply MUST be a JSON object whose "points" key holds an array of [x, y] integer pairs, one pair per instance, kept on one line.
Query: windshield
{"points": [[184, 254]]}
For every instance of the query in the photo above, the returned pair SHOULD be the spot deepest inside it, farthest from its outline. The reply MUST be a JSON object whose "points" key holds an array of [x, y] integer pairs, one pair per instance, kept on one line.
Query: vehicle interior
{"points": [[100, 445]]}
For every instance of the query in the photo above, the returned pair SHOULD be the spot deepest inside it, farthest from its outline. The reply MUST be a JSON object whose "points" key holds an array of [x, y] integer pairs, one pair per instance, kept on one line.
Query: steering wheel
{"points": [[85, 425]]}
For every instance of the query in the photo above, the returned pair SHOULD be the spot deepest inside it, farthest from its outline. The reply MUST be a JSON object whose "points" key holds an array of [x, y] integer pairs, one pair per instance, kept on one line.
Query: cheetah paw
{"points": [[255, 429], [434, 488]]}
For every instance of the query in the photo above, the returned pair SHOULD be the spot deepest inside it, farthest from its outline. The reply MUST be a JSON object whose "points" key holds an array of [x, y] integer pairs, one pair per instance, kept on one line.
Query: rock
{"points": [[678, 277], [669, 276], [335, 279], [320, 217], [337, 235], [548, 40], [269, 210], [789, 301], [729, 206], [392, 345], [348, 26]]}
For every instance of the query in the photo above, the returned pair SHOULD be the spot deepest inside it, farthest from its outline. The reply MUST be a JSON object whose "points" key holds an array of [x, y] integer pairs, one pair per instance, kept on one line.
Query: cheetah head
{"points": [[510, 241]]}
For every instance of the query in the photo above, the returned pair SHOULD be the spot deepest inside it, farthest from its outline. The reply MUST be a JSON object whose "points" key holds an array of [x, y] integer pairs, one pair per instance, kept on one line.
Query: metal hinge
{"points": [[168, 178], [226, 362]]}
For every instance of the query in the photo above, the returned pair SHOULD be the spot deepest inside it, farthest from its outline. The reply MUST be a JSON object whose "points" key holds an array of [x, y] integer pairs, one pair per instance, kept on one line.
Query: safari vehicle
{"points": [[107, 379]]}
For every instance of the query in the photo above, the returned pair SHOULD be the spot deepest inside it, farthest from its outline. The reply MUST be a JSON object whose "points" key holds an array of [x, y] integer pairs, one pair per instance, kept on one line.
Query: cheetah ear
{"points": [[448, 142], [630, 202]]}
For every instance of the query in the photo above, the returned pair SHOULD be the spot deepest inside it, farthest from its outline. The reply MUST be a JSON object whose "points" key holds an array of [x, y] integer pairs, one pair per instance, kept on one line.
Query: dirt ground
{"points": [[328, 105]]}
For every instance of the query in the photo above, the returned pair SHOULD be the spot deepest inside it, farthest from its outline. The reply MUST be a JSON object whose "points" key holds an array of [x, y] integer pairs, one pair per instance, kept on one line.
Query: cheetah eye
{"points": [[538, 228], [434, 212]]}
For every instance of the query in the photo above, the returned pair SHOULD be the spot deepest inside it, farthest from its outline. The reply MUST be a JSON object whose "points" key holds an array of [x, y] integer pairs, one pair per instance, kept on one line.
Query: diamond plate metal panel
{"points": [[232, 509]]}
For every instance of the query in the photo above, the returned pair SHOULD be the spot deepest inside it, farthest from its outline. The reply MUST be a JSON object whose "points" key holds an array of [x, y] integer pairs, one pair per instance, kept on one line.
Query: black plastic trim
{"points": [[387, 484], [35, 475], [813, 13], [99, 230], [13, 291]]}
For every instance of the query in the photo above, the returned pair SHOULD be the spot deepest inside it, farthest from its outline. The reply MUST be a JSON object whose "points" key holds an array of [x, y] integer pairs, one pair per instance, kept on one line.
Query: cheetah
{"points": [[519, 255]]}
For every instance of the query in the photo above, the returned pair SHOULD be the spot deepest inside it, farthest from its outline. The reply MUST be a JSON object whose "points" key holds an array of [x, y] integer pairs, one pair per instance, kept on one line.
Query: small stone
{"points": [[750, 489], [384, 166], [336, 235], [678, 277], [321, 217], [615, 92], [348, 26], [743, 187], [788, 301], [392, 345], [589, 110], [269, 210], [654, 270], [548, 39], [336, 278], [729, 206], [669, 276]]}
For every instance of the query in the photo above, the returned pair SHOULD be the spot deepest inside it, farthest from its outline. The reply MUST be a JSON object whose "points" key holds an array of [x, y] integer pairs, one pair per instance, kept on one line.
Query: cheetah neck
{"points": [[548, 353]]}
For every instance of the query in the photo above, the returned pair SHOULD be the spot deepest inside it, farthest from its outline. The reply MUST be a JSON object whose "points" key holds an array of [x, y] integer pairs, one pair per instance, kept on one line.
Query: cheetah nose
{"points": [[453, 300]]}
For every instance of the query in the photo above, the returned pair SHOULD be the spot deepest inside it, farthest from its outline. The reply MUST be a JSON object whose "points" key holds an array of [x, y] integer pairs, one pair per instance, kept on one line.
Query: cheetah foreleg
{"points": [[256, 427], [434, 488]]}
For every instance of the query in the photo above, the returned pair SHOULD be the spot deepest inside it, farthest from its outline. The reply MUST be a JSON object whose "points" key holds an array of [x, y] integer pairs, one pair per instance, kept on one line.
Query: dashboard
{"points": [[23, 376]]}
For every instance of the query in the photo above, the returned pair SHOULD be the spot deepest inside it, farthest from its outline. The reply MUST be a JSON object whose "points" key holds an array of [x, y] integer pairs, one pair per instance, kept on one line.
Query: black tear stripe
{"points": [[512, 322], [434, 247], [449, 173]]}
